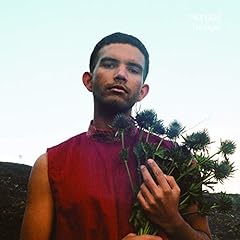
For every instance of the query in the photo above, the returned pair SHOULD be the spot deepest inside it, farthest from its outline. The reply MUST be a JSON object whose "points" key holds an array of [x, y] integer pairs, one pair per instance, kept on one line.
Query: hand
{"points": [[133, 236], [160, 200]]}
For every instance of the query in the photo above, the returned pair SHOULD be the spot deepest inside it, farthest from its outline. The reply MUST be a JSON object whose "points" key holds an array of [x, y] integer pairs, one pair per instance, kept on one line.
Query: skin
{"points": [[132, 236], [119, 66], [39, 213], [160, 202], [116, 84]]}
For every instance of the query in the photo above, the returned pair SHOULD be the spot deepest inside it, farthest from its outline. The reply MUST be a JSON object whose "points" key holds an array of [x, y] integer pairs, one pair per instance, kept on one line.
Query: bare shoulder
{"points": [[38, 180], [38, 216], [41, 163]]}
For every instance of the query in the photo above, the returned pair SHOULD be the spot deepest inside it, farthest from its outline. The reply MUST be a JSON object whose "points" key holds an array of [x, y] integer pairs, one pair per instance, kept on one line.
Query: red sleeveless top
{"points": [[90, 186]]}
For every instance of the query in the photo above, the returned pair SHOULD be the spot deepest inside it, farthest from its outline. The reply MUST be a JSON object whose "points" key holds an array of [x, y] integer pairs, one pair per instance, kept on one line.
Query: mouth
{"points": [[118, 89]]}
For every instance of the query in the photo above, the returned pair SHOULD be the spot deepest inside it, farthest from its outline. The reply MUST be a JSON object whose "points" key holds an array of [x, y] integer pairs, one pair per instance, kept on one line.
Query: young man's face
{"points": [[117, 80]]}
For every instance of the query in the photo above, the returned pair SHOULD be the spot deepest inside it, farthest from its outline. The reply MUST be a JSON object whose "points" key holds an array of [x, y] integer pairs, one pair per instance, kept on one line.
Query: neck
{"points": [[103, 118]]}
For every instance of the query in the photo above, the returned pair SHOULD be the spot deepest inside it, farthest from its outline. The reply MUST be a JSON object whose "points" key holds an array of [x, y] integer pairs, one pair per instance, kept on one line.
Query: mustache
{"points": [[120, 86]]}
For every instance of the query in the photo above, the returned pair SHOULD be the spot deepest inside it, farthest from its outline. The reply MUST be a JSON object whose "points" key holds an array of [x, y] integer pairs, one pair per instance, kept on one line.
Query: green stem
{"points": [[139, 172], [148, 133], [159, 144], [214, 155], [185, 173], [146, 228], [183, 202], [122, 138], [171, 170], [183, 195], [126, 163], [140, 134], [129, 176]]}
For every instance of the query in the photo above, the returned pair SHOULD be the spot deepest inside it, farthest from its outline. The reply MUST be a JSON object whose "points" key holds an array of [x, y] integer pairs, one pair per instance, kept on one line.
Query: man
{"points": [[79, 189]]}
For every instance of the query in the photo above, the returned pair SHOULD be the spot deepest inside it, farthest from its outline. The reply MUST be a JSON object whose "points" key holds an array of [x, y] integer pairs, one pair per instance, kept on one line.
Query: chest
{"points": [[96, 176]]}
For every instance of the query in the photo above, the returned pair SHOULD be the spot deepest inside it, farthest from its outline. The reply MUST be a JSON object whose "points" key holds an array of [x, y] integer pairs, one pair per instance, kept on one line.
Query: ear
{"points": [[144, 92], [87, 80]]}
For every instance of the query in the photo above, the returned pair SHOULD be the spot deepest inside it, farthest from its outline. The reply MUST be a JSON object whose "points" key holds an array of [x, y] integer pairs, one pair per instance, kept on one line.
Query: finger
{"points": [[160, 177], [147, 195], [142, 200], [172, 183], [148, 180]]}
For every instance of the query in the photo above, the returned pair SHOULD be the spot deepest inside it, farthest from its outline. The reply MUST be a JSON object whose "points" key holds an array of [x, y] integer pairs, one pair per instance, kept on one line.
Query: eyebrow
{"points": [[129, 63], [133, 64], [108, 59]]}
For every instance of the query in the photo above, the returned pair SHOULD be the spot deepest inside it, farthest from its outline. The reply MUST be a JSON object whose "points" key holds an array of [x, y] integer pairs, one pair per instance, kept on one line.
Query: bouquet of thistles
{"points": [[188, 160]]}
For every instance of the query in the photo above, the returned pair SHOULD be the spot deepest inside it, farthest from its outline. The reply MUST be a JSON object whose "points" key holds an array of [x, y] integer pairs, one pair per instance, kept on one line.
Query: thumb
{"points": [[151, 237], [131, 235]]}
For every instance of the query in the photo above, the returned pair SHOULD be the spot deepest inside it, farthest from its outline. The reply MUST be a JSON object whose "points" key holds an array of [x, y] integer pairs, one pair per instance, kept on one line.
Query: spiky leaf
{"points": [[174, 129], [198, 140], [146, 118]]}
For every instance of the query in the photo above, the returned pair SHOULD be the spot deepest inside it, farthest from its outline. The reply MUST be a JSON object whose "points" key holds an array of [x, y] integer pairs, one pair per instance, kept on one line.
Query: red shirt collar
{"points": [[107, 135]]}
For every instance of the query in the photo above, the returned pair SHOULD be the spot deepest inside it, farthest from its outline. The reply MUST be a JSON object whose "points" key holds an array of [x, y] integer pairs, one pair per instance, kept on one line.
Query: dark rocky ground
{"points": [[13, 185]]}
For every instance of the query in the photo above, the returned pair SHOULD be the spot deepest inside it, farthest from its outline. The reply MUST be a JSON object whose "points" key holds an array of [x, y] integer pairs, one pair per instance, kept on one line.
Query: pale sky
{"points": [[45, 47]]}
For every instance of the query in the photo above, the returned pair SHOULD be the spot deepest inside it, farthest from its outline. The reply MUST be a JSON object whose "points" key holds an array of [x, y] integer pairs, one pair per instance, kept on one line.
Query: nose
{"points": [[121, 74]]}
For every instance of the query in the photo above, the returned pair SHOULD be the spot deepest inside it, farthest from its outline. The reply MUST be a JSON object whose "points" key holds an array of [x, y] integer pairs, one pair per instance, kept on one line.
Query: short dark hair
{"points": [[119, 38]]}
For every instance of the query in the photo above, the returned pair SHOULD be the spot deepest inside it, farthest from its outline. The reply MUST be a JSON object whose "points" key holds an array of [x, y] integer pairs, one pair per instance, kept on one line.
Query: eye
{"points": [[134, 70], [109, 64]]}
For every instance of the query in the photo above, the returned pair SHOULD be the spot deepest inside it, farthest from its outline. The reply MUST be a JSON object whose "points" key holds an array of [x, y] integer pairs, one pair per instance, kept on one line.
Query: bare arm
{"points": [[160, 203], [38, 216]]}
